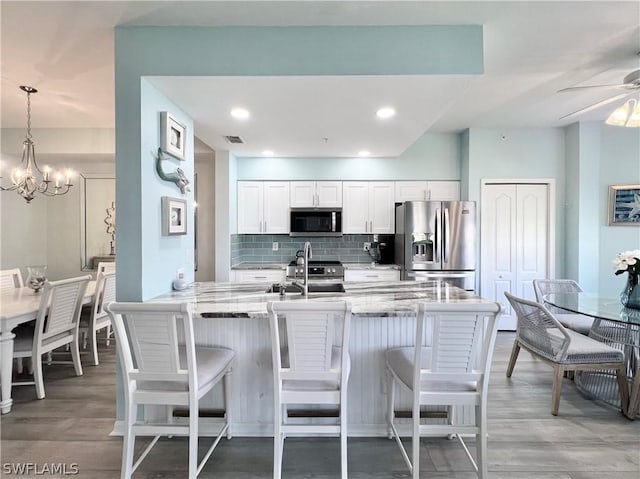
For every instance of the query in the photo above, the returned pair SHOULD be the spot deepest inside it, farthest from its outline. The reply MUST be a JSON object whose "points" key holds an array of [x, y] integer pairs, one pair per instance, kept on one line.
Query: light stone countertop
{"points": [[384, 298]]}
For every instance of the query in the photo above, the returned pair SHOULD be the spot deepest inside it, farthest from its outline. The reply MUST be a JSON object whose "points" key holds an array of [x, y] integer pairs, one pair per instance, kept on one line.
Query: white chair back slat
{"points": [[154, 338], [105, 293], [10, 279], [310, 341], [64, 299], [455, 344]]}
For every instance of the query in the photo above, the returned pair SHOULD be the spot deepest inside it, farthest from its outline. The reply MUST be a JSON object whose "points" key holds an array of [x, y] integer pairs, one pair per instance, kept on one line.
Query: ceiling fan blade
{"points": [[629, 86], [596, 105]]}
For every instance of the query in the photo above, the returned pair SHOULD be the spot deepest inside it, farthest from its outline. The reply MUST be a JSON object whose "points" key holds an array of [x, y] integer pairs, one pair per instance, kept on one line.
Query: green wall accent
{"points": [[317, 50]]}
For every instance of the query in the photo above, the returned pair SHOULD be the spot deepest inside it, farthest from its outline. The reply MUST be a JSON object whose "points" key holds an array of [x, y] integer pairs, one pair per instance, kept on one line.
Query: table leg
{"points": [[6, 363]]}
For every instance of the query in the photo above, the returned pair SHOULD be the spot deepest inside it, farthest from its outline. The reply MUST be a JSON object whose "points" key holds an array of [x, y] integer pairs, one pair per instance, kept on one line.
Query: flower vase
{"points": [[630, 296]]}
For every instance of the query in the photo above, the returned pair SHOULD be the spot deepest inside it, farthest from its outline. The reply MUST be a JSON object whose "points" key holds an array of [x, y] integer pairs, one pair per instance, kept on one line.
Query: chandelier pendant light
{"points": [[626, 115], [27, 179]]}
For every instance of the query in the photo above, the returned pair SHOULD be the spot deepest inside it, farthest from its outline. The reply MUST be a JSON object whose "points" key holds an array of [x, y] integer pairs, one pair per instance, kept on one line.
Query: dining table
{"points": [[19, 306], [617, 326]]}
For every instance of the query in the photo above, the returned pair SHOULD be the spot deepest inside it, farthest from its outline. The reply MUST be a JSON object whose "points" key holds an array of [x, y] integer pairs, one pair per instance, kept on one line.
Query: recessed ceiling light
{"points": [[363, 153], [240, 113], [385, 112], [267, 153]]}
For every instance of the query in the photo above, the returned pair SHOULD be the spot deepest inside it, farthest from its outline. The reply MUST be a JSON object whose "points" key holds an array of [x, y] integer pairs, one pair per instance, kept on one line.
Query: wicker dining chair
{"points": [[577, 322], [540, 333]]}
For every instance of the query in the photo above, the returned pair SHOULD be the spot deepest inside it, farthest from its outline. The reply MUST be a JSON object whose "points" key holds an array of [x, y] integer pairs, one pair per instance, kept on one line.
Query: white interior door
{"points": [[514, 242]]}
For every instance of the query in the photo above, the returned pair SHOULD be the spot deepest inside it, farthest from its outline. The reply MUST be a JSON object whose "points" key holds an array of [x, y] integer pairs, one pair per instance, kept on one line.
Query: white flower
{"points": [[628, 261]]}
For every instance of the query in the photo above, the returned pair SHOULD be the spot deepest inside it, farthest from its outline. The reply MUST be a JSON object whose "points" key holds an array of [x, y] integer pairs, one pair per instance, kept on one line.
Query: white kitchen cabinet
{"points": [[263, 207], [368, 207], [259, 275], [315, 194], [371, 274], [427, 190]]}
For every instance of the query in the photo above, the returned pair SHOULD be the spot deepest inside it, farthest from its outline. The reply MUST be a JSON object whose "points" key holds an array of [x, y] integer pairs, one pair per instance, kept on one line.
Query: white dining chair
{"points": [[10, 279], [453, 372], [539, 332], [56, 326], [577, 322], [94, 317], [161, 369], [309, 369]]}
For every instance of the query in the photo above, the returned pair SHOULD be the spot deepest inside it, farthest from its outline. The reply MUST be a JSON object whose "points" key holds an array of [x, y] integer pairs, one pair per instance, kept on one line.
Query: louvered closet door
{"points": [[514, 242]]}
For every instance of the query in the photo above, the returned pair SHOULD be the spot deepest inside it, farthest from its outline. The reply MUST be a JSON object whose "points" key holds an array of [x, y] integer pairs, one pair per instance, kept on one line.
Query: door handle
{"points": [[445, 236], [265, 226], [436, 255]]}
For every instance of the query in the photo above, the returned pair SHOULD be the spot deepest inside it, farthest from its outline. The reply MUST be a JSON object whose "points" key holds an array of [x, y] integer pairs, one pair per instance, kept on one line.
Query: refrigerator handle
{"points": [[445, 236], [436, 239]]}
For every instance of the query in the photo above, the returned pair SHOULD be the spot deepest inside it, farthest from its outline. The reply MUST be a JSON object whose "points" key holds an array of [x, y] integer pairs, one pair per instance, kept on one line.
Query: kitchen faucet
{"points": [[307, 252]]}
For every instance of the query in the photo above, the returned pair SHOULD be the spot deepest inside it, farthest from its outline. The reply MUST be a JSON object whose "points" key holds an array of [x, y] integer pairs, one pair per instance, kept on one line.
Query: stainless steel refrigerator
{"points": [[437, 240]]}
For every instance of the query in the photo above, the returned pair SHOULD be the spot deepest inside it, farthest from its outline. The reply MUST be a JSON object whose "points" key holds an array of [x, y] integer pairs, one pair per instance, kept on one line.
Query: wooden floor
{"points": [[586, 441]]}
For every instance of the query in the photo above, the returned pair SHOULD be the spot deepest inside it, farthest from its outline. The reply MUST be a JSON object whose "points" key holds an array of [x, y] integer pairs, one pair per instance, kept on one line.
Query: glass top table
{"points": [[617, 326], [594, 305]]}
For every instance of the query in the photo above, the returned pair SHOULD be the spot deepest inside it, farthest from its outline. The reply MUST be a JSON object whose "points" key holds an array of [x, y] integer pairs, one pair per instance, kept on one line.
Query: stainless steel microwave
{"points": [[316, 222]]}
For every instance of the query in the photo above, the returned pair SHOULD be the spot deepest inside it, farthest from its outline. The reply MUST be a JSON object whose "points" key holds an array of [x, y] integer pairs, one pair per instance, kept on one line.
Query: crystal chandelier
{"points": [[27, 179]]}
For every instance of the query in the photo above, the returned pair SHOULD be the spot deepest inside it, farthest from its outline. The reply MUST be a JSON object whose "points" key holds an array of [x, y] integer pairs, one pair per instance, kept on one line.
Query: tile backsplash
{"points": [[259, 248]]}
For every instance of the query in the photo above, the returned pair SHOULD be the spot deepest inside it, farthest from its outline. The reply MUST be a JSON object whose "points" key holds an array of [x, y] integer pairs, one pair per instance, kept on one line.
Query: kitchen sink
{"points": [[326, 288], [312, 288], [288, 288]]}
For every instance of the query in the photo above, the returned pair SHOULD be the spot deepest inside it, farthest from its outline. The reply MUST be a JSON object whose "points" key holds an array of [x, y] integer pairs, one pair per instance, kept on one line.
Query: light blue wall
{"points": [[163, 255], [520, 153], [435, 156], [582, 225], [147, 261], [619, 165]]}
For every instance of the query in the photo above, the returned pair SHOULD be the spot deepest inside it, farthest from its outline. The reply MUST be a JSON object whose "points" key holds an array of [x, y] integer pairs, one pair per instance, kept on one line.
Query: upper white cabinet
{"points": [[427, 190], [368, 207], [263, 207], [316, 194]]}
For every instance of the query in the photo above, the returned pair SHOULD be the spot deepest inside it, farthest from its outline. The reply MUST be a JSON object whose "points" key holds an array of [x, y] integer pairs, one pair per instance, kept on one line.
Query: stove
{"points": [[318, 270]]}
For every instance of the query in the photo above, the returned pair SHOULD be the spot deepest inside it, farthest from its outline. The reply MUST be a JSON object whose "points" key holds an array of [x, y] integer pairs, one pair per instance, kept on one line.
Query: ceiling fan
{"points": [[630, 83]]}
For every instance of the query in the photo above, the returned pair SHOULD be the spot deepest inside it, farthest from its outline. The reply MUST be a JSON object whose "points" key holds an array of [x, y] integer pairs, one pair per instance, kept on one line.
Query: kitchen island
{"points": [[234, 315], [249, 300]]}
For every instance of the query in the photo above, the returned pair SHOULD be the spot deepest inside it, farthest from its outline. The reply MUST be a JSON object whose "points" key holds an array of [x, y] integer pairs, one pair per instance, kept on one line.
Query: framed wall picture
{"points": [[624, 205], [172, 135], [174, 216]]}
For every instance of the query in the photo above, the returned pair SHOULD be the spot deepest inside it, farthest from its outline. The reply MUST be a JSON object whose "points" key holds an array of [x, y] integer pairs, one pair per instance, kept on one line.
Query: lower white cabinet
{"points": [[372, 275], [259, 275]]}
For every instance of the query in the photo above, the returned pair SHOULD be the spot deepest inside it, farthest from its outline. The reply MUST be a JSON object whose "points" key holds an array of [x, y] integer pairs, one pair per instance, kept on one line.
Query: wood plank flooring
{"points": [[587, 440]]}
